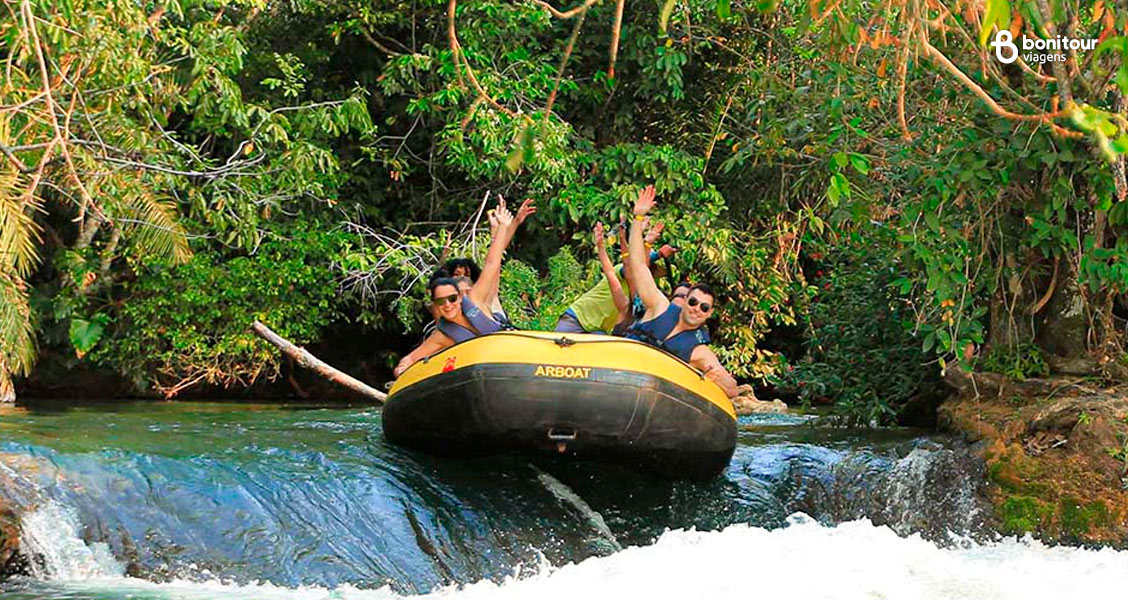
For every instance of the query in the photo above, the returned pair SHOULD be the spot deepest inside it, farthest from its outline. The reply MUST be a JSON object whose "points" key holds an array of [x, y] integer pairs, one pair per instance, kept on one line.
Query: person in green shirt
{"points": [[597, 311]]}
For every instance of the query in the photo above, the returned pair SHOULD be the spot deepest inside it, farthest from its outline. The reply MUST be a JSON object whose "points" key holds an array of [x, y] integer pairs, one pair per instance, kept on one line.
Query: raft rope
{"points": [[565, 341]]}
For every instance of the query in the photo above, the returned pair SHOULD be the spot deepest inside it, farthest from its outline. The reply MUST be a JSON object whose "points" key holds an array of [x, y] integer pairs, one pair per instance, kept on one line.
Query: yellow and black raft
{"points": [[588, 396]]}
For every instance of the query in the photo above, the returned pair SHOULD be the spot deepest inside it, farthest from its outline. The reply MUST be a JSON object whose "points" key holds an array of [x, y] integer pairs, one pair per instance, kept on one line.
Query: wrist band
{"points": [[640, 217]]}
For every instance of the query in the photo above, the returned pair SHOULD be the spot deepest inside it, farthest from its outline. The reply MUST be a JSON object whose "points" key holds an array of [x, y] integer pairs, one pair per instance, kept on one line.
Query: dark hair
{"points": [[440, 272], [684, 284], [437, 281], [705, 288], [472, 267]]}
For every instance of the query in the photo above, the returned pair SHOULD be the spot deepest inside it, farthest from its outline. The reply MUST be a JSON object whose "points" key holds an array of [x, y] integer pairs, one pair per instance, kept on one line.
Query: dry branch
{"points": [[309, 361]]}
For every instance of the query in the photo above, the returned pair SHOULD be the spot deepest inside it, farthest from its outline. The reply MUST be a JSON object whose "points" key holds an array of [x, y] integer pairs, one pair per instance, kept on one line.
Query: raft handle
{"points": [[564, 342], [563, 434]]}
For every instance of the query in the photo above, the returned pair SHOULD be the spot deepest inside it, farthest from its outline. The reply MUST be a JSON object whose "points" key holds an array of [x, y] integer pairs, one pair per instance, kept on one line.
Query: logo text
{"points": [[563, 372]]}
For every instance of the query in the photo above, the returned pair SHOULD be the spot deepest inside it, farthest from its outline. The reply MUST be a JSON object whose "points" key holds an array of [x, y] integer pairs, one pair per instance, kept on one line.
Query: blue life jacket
{"points": [[638, 309], [655, 331], [478, 319]]}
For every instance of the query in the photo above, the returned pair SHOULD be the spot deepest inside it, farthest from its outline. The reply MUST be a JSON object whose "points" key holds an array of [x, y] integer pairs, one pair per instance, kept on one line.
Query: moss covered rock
{"points": [[1057, 459]]}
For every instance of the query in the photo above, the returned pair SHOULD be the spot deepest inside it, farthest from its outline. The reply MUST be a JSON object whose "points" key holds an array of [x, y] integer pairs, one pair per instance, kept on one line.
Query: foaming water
{"points": [[51, 534], [807, 560], [803, 560]]}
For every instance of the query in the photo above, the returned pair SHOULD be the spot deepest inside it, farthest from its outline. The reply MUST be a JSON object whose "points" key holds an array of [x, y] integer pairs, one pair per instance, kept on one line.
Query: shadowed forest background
{"points": [[877, 199]]}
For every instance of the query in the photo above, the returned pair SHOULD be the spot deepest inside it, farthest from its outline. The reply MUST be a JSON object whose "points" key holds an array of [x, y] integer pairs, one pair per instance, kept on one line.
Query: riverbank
{"points": [[1056, 452]]}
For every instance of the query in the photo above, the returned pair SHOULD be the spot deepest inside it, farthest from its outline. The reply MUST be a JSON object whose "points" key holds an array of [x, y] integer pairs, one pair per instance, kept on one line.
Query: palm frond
{"points": [[19, 233], [17, 339], [151, 224]]}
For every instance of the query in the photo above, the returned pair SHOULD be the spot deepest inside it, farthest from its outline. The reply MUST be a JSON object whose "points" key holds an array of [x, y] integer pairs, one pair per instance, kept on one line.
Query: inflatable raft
{"points": [[588, 396]]}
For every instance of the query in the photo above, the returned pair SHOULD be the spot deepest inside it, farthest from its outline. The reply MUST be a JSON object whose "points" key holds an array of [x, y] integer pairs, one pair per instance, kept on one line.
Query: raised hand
{"points": [[600, 241], [645, 201], [653, 233], [504, 217], [527, 209], [494, 224]]}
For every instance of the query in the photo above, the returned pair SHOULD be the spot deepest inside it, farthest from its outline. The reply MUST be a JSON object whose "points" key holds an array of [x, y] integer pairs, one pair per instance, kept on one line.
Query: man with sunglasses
{"points": [[678, 330]]}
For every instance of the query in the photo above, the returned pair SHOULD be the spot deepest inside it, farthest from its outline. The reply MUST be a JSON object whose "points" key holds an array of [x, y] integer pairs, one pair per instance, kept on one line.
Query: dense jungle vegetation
{"points": [[877, 196]]}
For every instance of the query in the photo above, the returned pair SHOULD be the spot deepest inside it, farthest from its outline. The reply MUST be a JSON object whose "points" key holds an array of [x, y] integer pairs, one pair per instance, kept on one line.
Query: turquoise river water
{"points": [[203, 501]]}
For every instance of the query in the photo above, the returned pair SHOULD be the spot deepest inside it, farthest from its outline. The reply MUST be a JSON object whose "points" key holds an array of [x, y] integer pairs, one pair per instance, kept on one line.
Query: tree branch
{"points": [[309, 361], [940, 59], [459, 57], [579, 10], [381, 47], [564, 64], [616, 32], [1065, 89]]}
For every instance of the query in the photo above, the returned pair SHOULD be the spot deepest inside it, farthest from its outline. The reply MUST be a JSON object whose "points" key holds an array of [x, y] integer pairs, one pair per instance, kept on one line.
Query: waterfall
{"points": [[50, 535]]}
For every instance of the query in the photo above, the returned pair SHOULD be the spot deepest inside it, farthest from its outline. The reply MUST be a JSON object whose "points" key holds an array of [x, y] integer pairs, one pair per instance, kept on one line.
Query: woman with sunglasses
{"points": [[464, 316], [678, 330]]}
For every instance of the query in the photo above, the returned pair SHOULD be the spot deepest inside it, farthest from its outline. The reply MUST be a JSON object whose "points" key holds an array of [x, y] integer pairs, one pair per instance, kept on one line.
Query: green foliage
{"points": [[85, 334], [772, 130], [134, 135], [1119, 453], [536, 303], [1019, 362], [860, 354], [190, 324]]}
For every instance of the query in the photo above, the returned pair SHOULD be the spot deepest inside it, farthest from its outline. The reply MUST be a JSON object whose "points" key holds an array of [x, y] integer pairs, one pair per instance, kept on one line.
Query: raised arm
{"points": [[624, 244], [434, 342], [622, 302], [643, 283], [705, 360], [494, 301], [487, 283]]}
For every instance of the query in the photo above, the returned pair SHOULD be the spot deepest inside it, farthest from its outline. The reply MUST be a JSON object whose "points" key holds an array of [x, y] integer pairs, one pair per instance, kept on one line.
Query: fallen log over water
{"points": [[311, 362]]}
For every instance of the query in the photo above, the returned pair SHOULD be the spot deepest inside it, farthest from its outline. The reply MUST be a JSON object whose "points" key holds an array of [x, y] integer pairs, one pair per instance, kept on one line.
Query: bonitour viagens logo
{"points": [[1036, 50]]}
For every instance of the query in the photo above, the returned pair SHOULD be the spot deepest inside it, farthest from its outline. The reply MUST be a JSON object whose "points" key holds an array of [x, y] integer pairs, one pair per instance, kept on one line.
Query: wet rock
{"points": [[747, 403], [12, 561]]}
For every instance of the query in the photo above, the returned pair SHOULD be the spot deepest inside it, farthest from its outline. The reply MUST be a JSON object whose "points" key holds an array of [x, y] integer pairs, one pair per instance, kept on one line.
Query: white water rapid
{"points": [[804, 560]]}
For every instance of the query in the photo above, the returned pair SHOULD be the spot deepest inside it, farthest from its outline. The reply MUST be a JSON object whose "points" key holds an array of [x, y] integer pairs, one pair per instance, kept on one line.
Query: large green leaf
{"points": [[998, 13], [85, 334], [664, 15]]}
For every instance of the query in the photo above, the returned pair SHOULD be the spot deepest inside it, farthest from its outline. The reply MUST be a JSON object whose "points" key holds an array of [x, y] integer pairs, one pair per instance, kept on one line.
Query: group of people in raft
{"points": [[465, 301]]}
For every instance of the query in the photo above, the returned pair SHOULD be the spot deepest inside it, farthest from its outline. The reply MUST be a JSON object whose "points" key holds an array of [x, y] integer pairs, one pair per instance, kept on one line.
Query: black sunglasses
{"points": [[680, 295], [705, 306], [441, 301]]}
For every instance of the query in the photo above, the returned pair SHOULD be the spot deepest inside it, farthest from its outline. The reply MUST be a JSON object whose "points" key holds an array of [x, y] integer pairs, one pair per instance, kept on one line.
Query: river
{"points": [[203, 501]]}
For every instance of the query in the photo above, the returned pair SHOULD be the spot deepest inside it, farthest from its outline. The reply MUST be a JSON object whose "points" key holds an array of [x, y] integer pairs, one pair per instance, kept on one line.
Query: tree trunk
{"points": [[1010, 321], [1066, 327]]}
